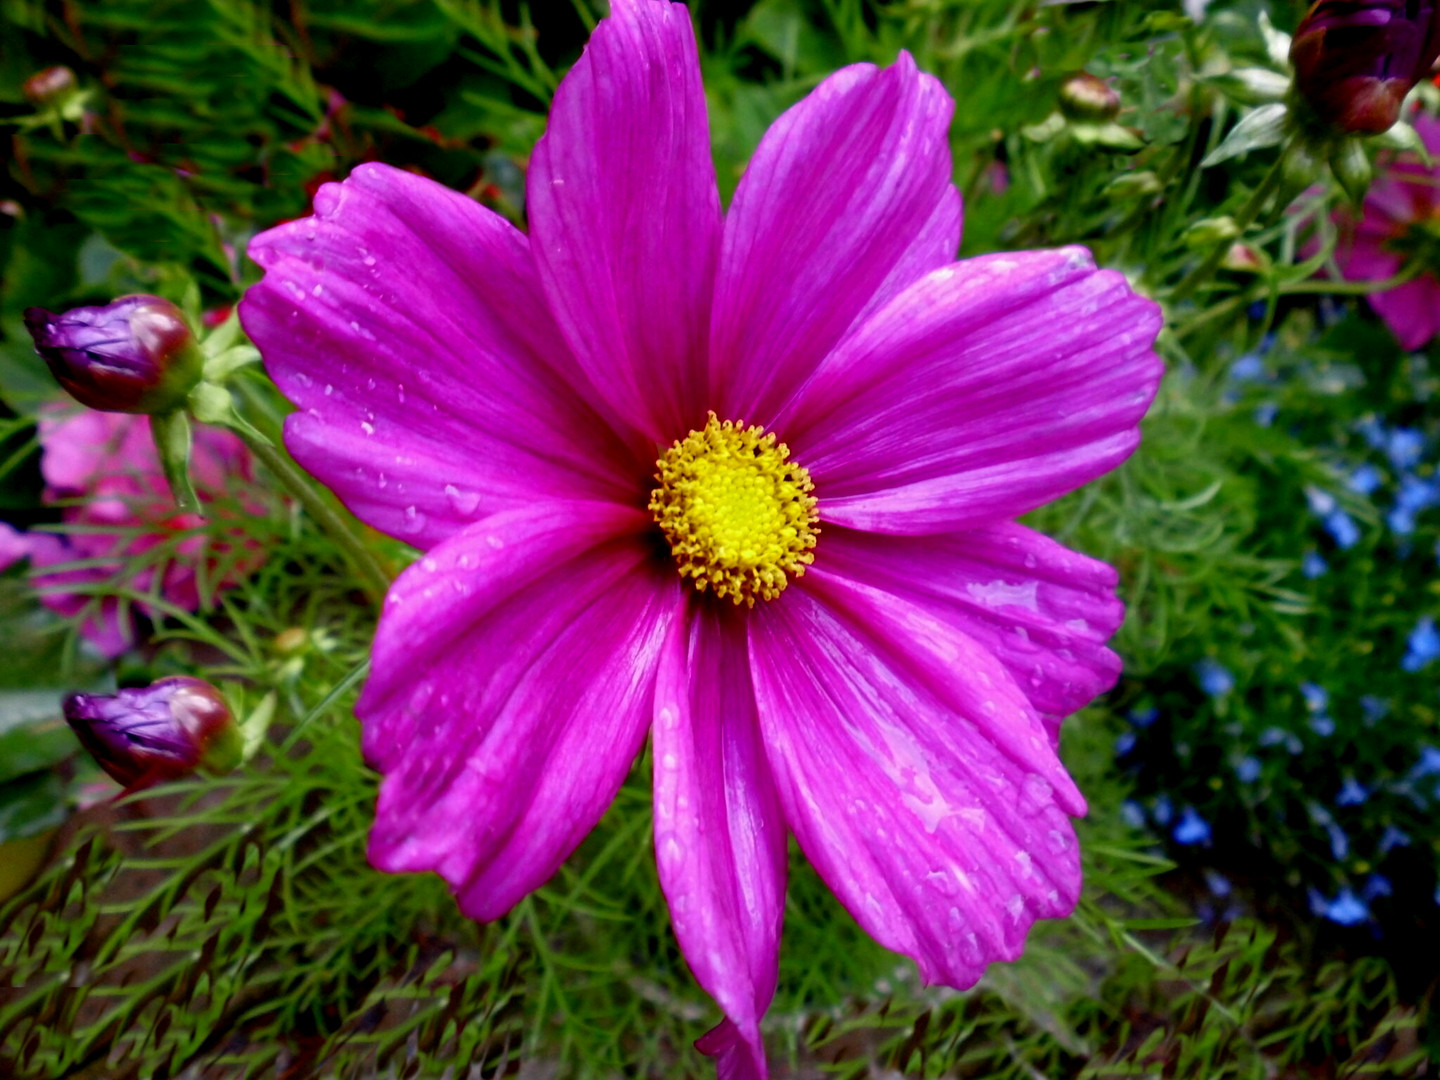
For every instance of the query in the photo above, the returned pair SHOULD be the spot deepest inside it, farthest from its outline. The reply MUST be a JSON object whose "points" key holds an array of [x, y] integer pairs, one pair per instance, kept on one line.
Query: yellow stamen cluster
{"points": [[737, 511]]}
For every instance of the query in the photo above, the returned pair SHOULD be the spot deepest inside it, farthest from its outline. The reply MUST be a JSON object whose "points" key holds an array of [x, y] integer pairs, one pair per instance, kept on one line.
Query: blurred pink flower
{"points": [[1401, 211], [104, 468]]}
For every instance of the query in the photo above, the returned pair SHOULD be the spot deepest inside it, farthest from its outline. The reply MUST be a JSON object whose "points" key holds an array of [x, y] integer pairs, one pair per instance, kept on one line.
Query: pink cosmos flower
{"points": [[105, 465], [1401, 213], [844, 636]]}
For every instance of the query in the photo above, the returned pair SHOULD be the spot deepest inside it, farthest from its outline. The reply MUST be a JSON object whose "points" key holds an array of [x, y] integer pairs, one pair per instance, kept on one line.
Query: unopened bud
{"points": [[1244, 258], [49, 87], [291, 640], [1355, 60], [135, 355], [163, 731], [1207, 232], [1086, 97]]}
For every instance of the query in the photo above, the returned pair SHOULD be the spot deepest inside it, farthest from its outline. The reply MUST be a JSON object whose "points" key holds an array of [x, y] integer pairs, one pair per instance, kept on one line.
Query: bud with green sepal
{"points": [[164, 731], [133, 355]]}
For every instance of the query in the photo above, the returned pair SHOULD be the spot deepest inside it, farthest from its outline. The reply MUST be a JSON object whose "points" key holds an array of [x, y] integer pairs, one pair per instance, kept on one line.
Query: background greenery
{"points": [[231, 927]]}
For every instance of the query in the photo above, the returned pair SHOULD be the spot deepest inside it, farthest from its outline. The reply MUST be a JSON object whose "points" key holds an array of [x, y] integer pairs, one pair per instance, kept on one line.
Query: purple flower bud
{"points": [[1355, 60], [1086, 97], [159, 732], [134, 355]]}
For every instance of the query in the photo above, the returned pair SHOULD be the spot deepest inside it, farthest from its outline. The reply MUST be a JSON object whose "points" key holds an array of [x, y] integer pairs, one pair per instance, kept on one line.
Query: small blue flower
{"points": [[1316, 696], [1249, 368], [1374, 708], [1320, 502], [1342, 530], [1314, 566], [1214, 678], [1422, 646], [1218, 883], [1401, 521], [1161, 812], [1429, 763], [1125, 743], [1322, 725], [1266, 412], [1352, 793], [1132, 813], [1143, 717], [1404, 447], [1347, 909], [1416, 494], [1278, 736], [1377, 885], [1392, 838], [1372, 431], [1191, 828], [1339, 842], [1365, 479], [1247, 769]]}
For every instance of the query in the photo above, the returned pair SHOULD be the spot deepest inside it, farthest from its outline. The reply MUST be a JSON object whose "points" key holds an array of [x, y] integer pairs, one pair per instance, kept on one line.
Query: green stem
{"points": [[335, 526], [1300, 288], [1243, 220]]}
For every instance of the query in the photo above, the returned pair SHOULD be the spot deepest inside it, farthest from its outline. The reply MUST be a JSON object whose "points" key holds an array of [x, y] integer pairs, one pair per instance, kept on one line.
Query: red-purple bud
{"points": [[159, 732], [134, 355], [49, 87], [1355, 60]]}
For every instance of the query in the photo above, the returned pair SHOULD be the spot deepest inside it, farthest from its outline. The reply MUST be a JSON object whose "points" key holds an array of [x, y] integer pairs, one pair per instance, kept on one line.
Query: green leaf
{"points": [[30, 748], [172, 443], [1256, 130], [30, 805]]}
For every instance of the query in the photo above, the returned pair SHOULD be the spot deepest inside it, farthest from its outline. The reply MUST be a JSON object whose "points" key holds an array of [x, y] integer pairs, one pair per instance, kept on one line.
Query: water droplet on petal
{"points": [[414, 520], [464, 502]]}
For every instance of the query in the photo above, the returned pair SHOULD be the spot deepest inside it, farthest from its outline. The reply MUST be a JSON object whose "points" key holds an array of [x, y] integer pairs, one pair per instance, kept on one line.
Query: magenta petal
{"points": [[406, 323], [1411, 310], [719, 834], [848, 199], [625, 215], [511, 687], [1044, 611], [915, 775], [988, 388]]}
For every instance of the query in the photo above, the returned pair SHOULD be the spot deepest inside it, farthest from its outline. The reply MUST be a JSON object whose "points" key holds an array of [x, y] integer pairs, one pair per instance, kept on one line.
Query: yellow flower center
{"points": [[737, 511]]}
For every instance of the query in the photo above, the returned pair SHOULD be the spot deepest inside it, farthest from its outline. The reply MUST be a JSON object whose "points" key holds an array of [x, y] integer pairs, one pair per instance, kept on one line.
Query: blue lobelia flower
{"points": [[1352, 793], [1365, 479], [1342, 530], [1191, 828], [1347, 909], [1214, 678], [1422, 646], [1404, 447]]}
